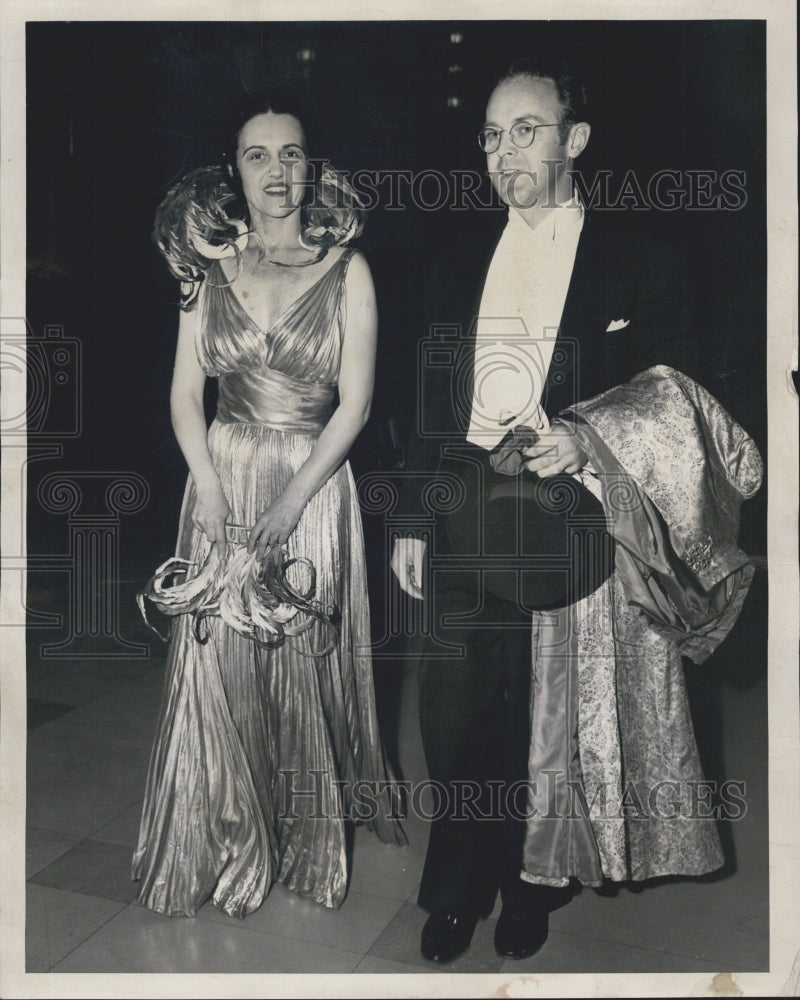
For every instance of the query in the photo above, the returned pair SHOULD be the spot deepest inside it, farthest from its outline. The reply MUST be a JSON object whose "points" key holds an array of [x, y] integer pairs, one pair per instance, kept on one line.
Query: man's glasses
{"points": [[522, 135]]}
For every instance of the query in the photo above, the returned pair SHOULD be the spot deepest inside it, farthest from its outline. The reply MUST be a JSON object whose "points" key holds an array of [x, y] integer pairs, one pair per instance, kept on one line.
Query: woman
{"points": [[258, 750]]}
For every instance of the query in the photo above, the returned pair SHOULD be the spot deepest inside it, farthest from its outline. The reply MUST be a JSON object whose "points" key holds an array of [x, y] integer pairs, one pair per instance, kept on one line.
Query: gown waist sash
{"points": [[268, 397]]}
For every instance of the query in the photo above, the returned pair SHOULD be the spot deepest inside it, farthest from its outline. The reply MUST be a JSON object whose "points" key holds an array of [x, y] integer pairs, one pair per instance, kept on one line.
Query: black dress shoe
{"points": [[521, 936], [447, 935]]}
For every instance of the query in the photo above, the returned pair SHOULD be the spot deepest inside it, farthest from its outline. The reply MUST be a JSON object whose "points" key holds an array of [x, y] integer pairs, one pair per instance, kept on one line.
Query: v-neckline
{"points": [[292, 305]]}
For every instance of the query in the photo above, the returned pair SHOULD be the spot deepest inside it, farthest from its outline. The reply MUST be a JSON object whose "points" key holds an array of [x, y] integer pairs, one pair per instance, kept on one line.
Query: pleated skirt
{"points": [[260, 754]]}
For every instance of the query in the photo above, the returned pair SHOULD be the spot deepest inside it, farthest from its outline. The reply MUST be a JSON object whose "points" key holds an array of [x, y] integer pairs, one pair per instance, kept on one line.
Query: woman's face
{"points": [[272, 163]]}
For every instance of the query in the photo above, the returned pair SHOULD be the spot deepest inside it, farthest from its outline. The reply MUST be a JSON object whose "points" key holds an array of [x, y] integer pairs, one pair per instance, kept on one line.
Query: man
{"points": [[567, 306]]}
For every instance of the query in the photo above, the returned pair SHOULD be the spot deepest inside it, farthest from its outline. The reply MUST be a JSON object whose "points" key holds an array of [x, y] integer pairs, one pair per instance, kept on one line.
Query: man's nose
{"points": [[506, 147]]}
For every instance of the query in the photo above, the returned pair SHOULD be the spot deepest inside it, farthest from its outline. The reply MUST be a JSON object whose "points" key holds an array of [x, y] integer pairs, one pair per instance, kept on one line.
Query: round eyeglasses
{"points": [[522, 135]]}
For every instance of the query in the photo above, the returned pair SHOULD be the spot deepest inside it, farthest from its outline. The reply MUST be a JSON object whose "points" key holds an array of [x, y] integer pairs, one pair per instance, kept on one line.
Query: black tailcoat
{"points": [[474, 702]]}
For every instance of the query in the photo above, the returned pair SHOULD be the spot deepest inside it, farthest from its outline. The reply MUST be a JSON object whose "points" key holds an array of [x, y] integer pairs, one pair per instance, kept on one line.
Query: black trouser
{"points": [[475, 718], [474, 702]]}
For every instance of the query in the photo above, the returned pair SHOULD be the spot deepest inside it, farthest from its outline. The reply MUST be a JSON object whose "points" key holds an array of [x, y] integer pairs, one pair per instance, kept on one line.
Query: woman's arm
{"points": [[189, 423], [356, 378]]}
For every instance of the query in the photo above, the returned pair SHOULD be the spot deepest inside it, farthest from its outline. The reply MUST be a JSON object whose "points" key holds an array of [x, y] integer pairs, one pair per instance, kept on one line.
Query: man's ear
{"points": [[578, 139]]}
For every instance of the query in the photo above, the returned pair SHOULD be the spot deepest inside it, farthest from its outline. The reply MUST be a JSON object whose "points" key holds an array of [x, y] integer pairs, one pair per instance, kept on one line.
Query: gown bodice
{"points": [[284, 377]]}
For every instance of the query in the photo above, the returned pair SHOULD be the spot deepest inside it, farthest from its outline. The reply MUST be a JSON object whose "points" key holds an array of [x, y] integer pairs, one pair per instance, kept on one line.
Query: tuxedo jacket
{"points": [[626, 309]]}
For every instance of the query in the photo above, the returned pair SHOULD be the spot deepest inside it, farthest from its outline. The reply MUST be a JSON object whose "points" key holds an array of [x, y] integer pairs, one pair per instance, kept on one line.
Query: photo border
{"points": [[782, 463]]}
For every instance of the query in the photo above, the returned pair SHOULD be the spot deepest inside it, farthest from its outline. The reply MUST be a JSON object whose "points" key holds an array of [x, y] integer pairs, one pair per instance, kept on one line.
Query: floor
{"points": [[91, 722]]}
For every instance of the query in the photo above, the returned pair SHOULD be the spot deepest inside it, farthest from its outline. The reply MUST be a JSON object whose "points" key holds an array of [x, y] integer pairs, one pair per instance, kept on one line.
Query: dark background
{"points": [[116, 112]]}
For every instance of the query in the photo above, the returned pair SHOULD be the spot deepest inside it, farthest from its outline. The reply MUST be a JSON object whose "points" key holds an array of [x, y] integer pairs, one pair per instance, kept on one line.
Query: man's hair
{"points": [[573, 94]]}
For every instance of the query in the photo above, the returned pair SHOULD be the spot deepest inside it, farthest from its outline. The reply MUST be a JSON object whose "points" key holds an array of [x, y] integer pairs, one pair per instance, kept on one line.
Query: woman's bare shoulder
{"points": [[358, 270]]}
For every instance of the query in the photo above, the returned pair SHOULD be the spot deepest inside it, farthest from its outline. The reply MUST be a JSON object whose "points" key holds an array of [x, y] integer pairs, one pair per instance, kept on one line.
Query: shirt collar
{"points": [[562, 220]]}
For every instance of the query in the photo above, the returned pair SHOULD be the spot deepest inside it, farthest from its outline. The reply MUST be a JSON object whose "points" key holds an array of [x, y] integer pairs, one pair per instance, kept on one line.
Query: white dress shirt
{"points": [[520, 312]]}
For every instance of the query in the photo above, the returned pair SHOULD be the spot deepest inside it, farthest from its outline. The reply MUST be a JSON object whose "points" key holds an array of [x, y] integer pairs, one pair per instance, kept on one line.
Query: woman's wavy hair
{"points": [[204, 216]]}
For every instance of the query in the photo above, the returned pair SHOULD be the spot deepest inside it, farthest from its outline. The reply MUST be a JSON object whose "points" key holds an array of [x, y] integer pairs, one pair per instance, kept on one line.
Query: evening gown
{"points": [[257, 751]]}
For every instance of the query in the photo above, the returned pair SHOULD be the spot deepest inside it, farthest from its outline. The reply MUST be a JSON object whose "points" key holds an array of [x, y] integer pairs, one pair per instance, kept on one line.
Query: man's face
{"points": [[532, 176]]}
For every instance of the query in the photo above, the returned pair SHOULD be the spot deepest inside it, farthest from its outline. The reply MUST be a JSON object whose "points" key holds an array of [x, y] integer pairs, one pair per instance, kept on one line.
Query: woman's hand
{"points": [[275, 525], [555, 452], [210, 513]]}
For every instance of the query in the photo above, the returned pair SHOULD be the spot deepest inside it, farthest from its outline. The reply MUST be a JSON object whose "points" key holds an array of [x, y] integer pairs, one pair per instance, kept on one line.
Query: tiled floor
{"points": [[90, 727]]}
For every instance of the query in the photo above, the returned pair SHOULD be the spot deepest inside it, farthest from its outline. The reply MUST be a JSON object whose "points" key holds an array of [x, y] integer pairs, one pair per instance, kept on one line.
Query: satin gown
{"points": [[260, 754]]}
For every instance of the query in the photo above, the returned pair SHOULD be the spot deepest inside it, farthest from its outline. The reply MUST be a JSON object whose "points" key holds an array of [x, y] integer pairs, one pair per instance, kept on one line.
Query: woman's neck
{"points": [[274, 234]]}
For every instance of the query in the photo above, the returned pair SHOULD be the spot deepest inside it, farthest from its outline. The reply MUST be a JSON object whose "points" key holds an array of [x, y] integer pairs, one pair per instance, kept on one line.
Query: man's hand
{"points": [[408, 559], [555, 452]]}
